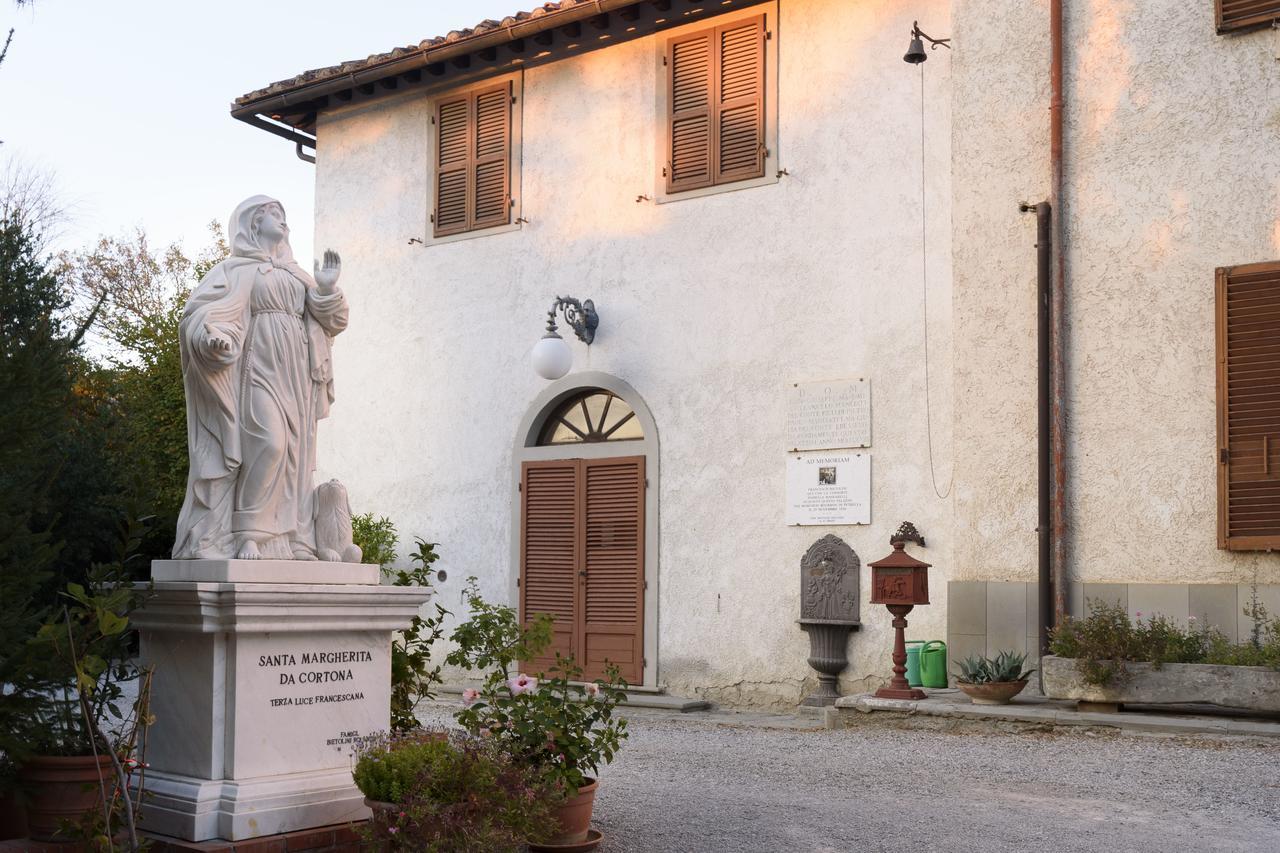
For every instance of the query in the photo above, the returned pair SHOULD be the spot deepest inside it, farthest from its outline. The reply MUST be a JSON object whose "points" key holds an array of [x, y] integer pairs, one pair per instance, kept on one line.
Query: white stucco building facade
{"points": [[883, 226]]}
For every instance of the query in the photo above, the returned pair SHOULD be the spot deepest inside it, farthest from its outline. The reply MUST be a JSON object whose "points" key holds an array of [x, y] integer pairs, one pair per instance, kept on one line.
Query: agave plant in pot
{"points": [[553, 722], [993, 681]]}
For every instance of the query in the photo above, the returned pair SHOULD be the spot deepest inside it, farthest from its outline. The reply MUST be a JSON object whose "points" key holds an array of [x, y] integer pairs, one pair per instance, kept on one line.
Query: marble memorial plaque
{"points": [[829, 415], [829, 488], [307, 701]]}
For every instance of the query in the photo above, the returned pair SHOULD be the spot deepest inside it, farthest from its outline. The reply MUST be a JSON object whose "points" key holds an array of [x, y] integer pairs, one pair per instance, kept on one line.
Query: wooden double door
{"points": [[582, 560]]}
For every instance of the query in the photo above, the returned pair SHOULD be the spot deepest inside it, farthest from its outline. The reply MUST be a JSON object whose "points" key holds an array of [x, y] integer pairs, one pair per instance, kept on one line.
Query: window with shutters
{"points": [[1236, 15], [474, 138], [717, 106], [1248, 338]]}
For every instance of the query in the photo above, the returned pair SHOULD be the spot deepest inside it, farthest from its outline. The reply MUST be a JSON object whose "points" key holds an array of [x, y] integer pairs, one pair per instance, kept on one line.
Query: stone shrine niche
{"points": [[829, 575]]}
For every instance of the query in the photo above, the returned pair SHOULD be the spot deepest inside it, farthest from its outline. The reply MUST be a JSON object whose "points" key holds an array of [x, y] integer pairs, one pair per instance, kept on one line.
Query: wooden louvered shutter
{"points": [[549, 551], [613, 555], [490, 164], [689, 113], [1245, 14], [739, 105], [1248, 338], [453, 121], [473, 161]]}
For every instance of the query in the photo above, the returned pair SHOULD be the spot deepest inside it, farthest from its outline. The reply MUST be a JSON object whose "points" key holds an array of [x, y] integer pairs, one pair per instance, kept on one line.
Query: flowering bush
{"points": [[1104, 640], [452, 793], [565, 730]]}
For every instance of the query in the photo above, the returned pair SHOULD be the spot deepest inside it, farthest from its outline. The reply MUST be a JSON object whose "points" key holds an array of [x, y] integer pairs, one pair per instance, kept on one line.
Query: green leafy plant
{"points": [[1105, 640], [412, 675], [77, 664], [564, 729], [452, 793], [377, 538], [1004, 667], [1100, 643]]}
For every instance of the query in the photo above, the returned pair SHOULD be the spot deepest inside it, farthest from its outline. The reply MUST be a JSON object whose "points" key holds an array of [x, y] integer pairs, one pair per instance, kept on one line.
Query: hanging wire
{"points": [[924, 277]]}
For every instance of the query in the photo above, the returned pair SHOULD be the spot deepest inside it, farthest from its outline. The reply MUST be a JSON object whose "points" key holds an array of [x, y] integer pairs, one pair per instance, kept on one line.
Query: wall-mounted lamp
{"points": [[552, 357], [915, 53]]}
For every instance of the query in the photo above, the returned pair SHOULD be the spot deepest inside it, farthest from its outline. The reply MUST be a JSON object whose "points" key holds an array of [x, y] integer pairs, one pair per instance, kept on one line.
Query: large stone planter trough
{"points": [[1254, 688]]}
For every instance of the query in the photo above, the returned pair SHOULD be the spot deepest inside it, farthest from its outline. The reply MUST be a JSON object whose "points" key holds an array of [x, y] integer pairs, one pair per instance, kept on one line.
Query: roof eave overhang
{"points": [[292, 112]]}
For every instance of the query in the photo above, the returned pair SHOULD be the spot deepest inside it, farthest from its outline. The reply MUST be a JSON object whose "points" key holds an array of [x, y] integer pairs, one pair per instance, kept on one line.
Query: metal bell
{"points": [[915, 53]]}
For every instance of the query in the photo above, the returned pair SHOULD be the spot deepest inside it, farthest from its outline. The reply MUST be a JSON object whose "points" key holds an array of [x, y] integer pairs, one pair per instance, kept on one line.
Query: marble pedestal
{"points": [[262, 691]]}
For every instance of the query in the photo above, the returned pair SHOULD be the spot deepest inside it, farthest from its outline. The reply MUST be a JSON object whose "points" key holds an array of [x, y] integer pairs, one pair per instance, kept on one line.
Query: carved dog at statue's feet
{"points": [[333, 524]]}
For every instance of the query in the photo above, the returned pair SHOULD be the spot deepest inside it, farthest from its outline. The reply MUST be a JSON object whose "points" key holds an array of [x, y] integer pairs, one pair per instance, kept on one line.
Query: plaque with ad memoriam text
{"points": [[829, 488], [829, 415]]}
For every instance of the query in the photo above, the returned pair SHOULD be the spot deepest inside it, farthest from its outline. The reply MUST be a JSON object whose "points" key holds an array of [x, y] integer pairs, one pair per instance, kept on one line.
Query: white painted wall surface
{"points": [[1172, 170], [709, 306]]}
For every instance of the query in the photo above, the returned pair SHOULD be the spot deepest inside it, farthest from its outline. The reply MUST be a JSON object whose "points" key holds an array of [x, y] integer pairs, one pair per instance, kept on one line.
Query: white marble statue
{"points": [[256, 362]]}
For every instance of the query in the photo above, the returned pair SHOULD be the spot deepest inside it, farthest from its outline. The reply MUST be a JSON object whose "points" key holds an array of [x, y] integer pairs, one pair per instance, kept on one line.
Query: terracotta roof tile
{"points": [[485, 26]]}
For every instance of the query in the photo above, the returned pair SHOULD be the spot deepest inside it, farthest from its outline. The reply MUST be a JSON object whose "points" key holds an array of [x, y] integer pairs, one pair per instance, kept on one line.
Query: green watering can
{"points": [[913, 662], [933, 664]]}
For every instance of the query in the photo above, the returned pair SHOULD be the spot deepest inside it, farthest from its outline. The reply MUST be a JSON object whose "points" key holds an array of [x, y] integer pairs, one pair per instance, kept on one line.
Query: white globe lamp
{"points": [[552, 357]]}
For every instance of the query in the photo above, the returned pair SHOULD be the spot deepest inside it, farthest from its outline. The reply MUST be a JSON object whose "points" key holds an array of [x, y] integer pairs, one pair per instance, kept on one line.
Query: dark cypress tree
{"points": [[36, 387]]}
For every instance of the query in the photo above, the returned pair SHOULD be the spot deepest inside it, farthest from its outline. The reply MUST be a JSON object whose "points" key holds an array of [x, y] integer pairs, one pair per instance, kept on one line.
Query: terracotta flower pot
{"points": [[574, 815], [63, 790], [993, 693]]}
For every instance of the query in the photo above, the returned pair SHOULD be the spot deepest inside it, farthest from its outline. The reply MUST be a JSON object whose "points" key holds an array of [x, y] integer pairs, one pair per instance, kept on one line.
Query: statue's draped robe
{"points": [[252, 412]]}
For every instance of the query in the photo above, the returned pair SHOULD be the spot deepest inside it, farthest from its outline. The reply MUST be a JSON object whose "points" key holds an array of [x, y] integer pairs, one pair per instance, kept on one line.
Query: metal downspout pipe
{"points": [[1044, 520], [1058, 342]]}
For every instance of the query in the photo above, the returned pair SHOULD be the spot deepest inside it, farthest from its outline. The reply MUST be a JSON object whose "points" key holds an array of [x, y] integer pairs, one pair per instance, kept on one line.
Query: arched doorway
{"points": [[585, 521]]}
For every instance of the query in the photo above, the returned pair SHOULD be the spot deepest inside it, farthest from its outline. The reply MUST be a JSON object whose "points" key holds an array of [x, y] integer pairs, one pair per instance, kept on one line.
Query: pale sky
{"points": [[127, 102]]}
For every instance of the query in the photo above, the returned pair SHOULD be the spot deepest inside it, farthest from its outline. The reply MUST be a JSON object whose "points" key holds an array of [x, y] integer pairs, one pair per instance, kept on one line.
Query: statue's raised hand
{"points": [[326, 276]]}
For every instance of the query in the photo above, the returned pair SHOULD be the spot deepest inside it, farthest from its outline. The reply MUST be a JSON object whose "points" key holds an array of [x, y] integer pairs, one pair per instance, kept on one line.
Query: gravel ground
{"points": [[700, 784]]}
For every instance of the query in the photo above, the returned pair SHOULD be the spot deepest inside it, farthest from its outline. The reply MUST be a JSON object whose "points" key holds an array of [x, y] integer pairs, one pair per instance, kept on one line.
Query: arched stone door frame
{"points": [[527, 449]]}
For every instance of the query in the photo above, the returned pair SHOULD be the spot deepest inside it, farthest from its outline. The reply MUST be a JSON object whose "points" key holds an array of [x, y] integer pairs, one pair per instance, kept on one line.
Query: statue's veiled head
{"points": [[258, 229]]}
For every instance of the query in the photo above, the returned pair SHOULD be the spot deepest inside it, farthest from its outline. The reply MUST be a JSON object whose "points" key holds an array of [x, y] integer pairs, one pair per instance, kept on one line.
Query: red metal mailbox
{"points": [[900, 582], [899, 578]]}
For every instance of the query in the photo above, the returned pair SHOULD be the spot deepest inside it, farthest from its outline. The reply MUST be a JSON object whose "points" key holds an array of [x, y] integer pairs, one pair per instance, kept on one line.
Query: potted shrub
{"points": [[993, 681], [85, 733], [439, 793], [562, 728]]}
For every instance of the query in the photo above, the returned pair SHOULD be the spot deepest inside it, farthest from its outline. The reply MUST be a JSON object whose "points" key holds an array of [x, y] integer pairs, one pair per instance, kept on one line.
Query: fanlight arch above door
{"points": [[591, 416]]}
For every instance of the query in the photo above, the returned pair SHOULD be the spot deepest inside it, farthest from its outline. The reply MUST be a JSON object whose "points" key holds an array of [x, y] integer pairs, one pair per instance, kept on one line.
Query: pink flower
{"points": [[522, 684], [393, 830], [403, 814], [1191, 618], [470, 695], [593, 690], [1139, 614]]}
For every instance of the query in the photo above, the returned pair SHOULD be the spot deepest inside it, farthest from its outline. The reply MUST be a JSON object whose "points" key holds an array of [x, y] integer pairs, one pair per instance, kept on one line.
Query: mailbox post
{"points": [[899, 582]]}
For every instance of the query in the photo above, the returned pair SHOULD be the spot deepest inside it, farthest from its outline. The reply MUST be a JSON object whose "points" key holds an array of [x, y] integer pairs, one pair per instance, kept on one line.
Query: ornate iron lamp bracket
{"points": [[579, 316]]}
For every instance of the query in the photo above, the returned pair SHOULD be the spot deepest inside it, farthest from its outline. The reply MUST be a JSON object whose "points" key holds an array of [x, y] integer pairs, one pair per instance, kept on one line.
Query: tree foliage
{"points": [[36, 388], [134, 296]]}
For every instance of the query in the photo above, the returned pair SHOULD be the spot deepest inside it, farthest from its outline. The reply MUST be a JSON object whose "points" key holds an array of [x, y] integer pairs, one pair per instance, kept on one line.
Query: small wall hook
{"points": [[520, 220], [641, 198], [413, 240]]}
